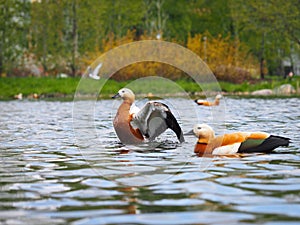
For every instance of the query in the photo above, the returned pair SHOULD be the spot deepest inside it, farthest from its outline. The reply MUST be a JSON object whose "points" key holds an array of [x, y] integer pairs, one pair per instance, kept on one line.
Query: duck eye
{"points": [[199, 128], [123, 91]]}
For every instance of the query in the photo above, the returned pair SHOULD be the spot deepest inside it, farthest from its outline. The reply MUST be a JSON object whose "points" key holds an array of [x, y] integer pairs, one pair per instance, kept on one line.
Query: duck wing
{"points": [[154, 118], [263, 145], [134, 109]]}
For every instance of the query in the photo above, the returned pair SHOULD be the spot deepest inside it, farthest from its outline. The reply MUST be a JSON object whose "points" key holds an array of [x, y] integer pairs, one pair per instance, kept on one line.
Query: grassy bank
{"points": [[46, 87], [66, 87]]}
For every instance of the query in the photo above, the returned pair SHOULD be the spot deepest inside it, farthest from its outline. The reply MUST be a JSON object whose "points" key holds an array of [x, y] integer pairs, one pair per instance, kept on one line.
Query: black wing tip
{"points": [[173, 125], [172, 122], [269, 144], [282, 141], [181, 139]]}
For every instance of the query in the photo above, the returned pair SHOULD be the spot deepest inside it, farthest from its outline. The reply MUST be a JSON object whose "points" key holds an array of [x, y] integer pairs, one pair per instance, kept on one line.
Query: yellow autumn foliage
{"points": [[228, 59], [136, 70]]}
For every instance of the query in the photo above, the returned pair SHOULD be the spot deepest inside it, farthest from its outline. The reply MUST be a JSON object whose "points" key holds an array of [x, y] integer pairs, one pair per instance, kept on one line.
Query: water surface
{"points": [[61, 168]]}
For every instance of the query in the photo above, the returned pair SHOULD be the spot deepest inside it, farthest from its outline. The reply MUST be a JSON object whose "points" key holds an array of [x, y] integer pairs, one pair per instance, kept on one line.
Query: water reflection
{"points": [[49, 177]]}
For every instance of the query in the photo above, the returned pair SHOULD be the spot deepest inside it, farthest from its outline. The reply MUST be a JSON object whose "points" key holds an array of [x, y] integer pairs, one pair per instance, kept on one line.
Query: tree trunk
{"points": [[1, 63], [1, 53], [261, 58], [44, 63], [261, 68], [75, 40], [2, 41]]}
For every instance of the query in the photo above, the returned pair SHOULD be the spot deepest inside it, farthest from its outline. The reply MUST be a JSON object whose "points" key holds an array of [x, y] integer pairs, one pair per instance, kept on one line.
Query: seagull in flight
{"points": [[94, 73]]}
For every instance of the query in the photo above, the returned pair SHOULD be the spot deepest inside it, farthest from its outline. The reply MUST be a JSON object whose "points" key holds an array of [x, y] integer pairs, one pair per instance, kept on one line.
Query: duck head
{"points": [[204, 132], [219, 96], [126, 94]]}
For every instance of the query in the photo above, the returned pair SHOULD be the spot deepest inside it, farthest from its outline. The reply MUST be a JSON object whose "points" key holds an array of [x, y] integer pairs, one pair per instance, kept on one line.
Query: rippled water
{"points": [[55, 172]]}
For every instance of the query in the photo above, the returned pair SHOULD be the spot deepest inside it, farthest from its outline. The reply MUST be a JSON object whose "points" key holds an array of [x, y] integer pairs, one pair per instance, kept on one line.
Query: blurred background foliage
{"points": [[239, 40]]}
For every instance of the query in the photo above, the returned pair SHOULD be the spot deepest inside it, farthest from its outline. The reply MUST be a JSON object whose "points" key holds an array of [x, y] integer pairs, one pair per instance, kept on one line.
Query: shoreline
{"points": [[88, 97], [49, 88]]}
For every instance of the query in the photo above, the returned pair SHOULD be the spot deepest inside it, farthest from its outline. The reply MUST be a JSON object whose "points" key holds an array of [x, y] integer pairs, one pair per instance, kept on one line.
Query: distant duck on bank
{"points": [[134, 125], [238, 142], [33, 96], [207, 103], [18, 96]]}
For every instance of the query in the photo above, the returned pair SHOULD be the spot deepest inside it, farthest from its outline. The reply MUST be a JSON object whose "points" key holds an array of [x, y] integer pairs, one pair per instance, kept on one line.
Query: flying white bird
{"points": [[94, 73]]}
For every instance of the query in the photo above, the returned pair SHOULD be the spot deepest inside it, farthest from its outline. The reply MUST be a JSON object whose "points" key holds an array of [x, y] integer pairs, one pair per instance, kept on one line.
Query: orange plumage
{"points": [[207, 103], [136, 132], [238, 142]]}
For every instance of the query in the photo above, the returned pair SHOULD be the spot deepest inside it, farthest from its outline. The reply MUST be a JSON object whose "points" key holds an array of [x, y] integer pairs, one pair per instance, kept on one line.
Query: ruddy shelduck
{"points": [[19, 96], [134, 125], [207, 103], [238, 142]]}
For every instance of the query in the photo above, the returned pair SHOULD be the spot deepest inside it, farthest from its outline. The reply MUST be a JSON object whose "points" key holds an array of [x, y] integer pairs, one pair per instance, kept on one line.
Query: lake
{"points": [[62, 163]]}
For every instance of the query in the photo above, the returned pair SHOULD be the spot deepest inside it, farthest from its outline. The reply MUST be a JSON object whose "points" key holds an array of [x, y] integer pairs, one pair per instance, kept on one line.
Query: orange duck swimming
{"points": [[238, 142], [207, 103]]}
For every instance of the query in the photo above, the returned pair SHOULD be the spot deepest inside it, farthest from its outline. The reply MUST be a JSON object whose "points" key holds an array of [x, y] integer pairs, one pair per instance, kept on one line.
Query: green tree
{"points": [[121, 16], [47, 36], [213, 16], [284, 17], [268, 27], [91, 25], [179, 23], [14, 17], [70, 32], [252, 22], [155, 17]]}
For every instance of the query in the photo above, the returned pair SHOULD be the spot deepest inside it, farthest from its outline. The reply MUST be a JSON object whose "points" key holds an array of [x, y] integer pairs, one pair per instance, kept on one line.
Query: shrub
{"points": [[232, 73], [228, 59]]}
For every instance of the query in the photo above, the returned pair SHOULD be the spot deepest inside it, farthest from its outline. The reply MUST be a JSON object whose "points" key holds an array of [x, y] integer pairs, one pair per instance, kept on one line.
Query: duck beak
{"points": [[116, 96], [191, 132]]}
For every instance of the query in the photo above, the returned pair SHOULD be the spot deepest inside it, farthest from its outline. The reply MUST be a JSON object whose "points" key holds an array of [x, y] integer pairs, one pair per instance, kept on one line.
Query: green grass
{"points": [[53, 87], [67, 87], [29, 85], [269, 83]]}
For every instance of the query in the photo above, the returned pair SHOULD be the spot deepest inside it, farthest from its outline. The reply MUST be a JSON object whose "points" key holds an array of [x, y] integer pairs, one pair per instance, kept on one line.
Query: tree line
{"points": [[47, 37]]}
